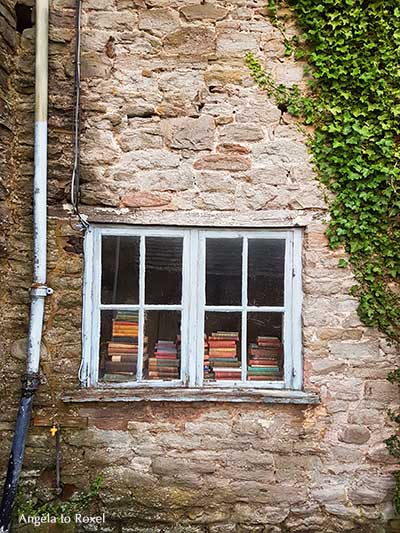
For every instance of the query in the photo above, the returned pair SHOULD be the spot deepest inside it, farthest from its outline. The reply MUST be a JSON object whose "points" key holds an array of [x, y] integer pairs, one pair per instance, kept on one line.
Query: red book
{"points": [[227, 375], [222, 344], [262, 362]]}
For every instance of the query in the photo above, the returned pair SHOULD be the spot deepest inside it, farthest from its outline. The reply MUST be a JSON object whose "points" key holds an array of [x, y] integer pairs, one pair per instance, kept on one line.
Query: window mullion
{"points": [[97, 268], [88, 287], [192, 345], [296, 298], [185, 309], [244, 305], [200, 265], [142, 281], [287, 316]]}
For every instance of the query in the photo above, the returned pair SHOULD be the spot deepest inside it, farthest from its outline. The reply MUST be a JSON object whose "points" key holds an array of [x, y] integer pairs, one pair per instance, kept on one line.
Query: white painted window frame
{"points": [[193, 305]]}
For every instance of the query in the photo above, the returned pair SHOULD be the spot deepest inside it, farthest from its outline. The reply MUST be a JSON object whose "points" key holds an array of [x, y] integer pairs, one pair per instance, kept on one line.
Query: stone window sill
{"points": [[191, 395]]}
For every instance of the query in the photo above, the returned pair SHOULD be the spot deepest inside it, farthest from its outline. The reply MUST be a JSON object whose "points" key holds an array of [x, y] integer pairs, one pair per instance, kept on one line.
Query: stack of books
{"points": [[208, 371], [264, 359], [222, 355], [165, 362], [122, 350]]}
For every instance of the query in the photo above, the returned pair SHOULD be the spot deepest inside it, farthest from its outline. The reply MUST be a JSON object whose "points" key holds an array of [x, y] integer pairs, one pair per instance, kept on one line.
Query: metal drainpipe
{"points": [[39, 291]]}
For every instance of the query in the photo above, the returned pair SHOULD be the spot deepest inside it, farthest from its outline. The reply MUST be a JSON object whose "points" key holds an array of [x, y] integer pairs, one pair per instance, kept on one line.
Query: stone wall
{"points": [[16, 170], [175, 132], [7, 130]]}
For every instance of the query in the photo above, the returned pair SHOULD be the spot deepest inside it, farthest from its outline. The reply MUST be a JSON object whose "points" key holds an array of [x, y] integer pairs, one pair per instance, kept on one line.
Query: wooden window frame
{"points": [[193, 306]]}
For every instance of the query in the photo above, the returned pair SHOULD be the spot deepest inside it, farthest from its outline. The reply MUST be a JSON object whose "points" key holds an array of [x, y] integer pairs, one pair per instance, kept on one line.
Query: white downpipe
{"points": [[30, 380], [39, 289]]}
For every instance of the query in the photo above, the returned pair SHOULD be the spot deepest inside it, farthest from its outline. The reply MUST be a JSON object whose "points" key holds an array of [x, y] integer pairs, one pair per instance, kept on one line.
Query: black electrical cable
{"points": [[75, 181]]}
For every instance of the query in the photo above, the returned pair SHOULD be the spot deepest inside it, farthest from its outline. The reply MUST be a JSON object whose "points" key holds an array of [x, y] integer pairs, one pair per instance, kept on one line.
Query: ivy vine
{"points": [[353, 103], [56, 508]]}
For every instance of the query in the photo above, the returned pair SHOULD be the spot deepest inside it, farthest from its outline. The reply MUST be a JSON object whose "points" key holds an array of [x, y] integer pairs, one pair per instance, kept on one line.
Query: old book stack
{"points": [[123, 348], [264, 359], [223, 356], [165, 362], [208, 371]]}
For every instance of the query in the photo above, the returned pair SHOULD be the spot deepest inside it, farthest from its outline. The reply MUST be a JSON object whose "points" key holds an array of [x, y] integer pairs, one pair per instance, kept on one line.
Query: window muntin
{"points": [[264, 308]]}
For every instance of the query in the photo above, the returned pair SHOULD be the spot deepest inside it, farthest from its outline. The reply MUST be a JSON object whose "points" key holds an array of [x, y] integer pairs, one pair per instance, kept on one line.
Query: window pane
{"points": [[224, 271], [163, 331], [119, 345], [222, 357], [266, 272], [120, 270], [163, 270], [264, 346]]}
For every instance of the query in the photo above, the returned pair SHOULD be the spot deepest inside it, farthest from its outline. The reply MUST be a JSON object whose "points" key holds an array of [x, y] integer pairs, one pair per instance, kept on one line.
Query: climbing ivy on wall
{"points": [[353, 47], [353, 103]]}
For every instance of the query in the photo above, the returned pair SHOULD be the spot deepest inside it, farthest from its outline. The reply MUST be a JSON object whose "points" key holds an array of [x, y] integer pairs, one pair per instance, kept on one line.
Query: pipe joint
{"points": [[41, 291], [30, 384]]}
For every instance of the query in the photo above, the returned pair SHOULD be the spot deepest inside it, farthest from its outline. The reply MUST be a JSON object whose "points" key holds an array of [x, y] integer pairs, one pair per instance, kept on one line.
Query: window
{"points": [[192, 308]]}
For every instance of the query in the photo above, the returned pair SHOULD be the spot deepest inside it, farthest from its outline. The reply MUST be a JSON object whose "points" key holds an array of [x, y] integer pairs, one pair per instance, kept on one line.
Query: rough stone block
{"points": [[365, 417], [380, 454], [174, 465], [240, 133], [231, 148], [150, 159], [159, 20], [361, 351], [189, 133], [218, 201], [113, 20], [140, 139], [354, 435], [381, 391], [191, 41], [330, 493], [327, 366], [95, 65], [235, 43], [203, 12], [164, 180], [221, 75], [371, 489], [145, 199], [222, 162]]}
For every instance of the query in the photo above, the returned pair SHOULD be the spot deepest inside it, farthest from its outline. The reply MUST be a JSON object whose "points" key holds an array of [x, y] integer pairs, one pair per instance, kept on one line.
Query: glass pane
{"points": [[163, 331], [163, 270], [224, 271], [222, 357], [120, 270], [119, 345], [264, 346], [266, 272]]}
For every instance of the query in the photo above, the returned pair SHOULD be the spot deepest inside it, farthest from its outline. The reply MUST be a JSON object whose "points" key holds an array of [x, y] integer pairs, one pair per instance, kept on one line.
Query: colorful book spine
{"points": [[265, 359]]}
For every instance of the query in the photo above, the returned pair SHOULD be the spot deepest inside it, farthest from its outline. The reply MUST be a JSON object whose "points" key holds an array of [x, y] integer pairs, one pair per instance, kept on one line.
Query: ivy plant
{"points": [[58, 508], [353, 102]]}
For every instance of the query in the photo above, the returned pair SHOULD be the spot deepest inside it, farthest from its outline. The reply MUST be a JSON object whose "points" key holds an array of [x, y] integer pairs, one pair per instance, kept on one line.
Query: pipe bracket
{"points": [[30, 384], [41, 291]]}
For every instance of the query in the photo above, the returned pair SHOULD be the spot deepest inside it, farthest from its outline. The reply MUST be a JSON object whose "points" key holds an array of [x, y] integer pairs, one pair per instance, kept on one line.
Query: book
{"points": [[122, 366], [227, 375], [222, 344], [123, 348], [224, 362], [268, 341], [263, 370], [165, 360], [265, 359], [274, 377]]}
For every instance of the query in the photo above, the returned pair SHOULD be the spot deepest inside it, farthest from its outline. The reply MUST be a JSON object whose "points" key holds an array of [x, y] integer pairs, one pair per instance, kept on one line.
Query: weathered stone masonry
{"points": [[175, 132]]}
